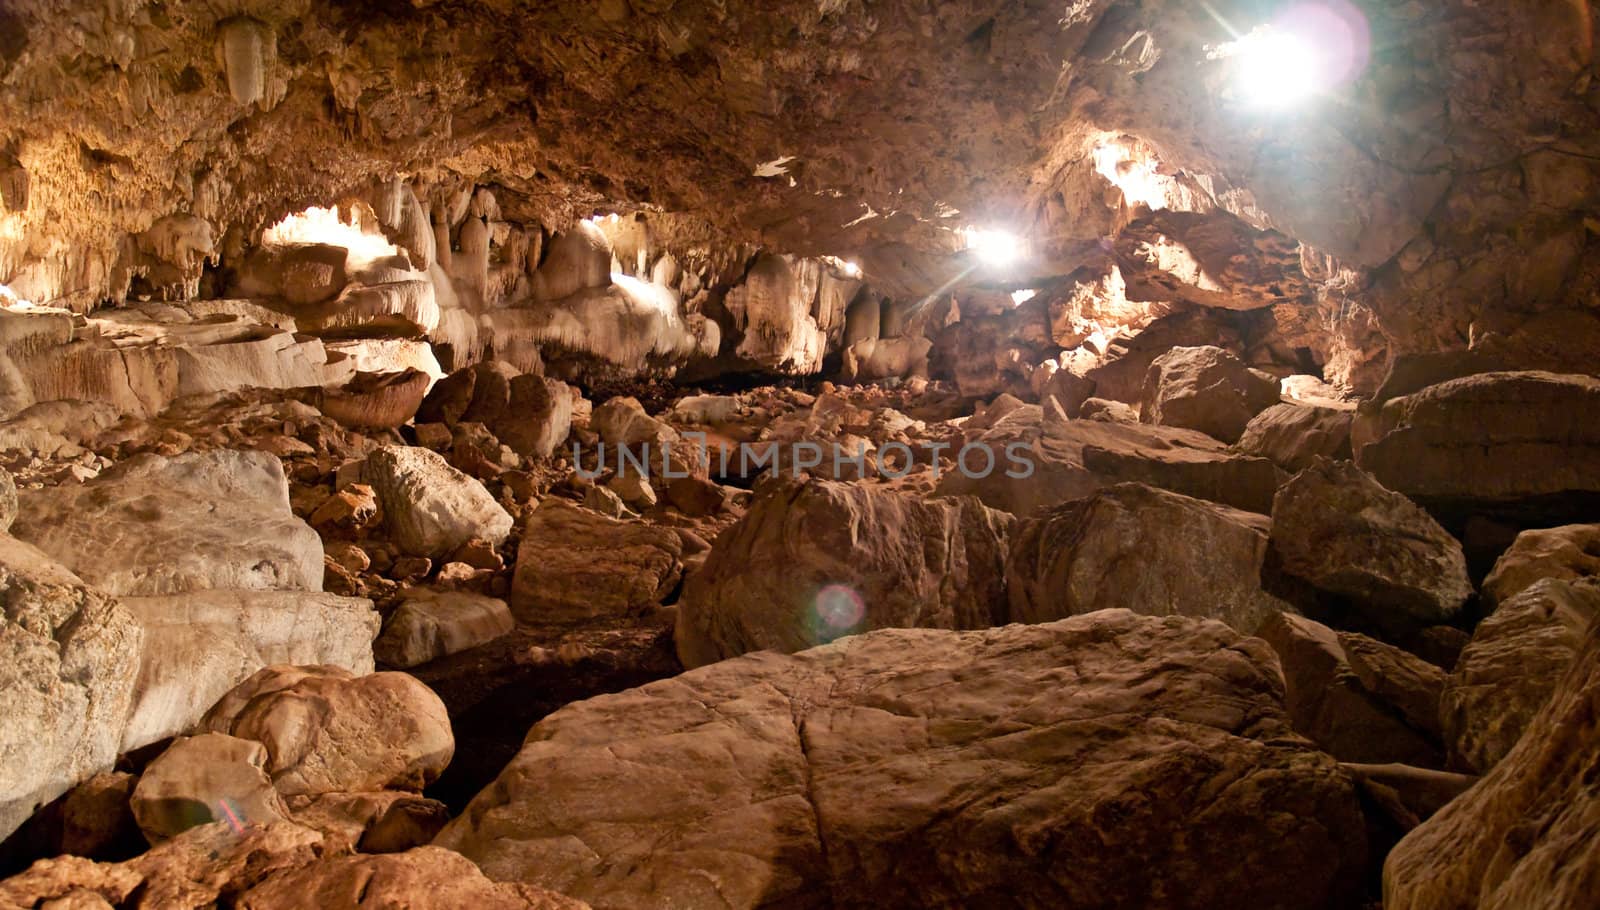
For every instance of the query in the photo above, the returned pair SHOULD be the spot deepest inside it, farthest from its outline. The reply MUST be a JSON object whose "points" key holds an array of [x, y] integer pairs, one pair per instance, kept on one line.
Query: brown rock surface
{"points": [[575, 564], [1292, 435], [1338, 529], [1515, 659], [1070, 459], [1524, 836], [1358, 698], [327, 731], [1206, 389], [913, 768], [203, 779], [817, 560], [1524, 443], [419, 879], [1147, 550], [1566, 553]]}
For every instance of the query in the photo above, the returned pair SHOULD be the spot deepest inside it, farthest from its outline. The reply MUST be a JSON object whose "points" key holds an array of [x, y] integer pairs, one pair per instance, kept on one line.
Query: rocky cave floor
{"points": [[1245, 669]]}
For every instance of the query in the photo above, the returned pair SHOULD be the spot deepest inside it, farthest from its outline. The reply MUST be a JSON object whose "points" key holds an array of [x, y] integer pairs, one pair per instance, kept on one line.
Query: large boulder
{"points": [[531, 414], [538, 416], [1358, 698], [575, 564], [1340, 531], [432, 624], [1567, 553], [1524, 836], [203, 779], [1207, 389], [1042, 458], [1526, 445], [429, 507], [327, 731], [817, 560], [1104, 760], [1151, 551], [1506, 674], [198, 646], [67, 680], [1293, 435], [154, 525]]}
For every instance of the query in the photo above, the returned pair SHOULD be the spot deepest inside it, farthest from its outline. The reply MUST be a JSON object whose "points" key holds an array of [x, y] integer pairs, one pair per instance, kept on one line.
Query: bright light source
{"points": [[846, 267], [1310, 48], [1018, 298], [1277, 68], [994, 248]]}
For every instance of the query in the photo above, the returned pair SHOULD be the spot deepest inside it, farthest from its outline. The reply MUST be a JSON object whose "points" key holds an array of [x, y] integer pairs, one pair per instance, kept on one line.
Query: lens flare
{"points": [[839, 611]]}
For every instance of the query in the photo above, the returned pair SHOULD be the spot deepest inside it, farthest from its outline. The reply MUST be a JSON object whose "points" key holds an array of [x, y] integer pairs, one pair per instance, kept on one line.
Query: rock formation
{"points": [[1117, 453]]}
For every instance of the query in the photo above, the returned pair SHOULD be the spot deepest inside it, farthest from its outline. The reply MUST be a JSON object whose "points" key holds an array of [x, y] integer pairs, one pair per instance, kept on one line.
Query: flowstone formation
{"points": [[799, 454]]}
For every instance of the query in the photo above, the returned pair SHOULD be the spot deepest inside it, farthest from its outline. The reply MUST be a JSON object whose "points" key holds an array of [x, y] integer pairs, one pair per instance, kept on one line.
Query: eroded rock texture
{"points": [[818, 560], [913, 768], [1523, 836]]}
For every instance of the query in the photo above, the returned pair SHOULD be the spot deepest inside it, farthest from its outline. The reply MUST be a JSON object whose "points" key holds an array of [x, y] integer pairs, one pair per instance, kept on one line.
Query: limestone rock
{"points": [[814, 561], [538, 416], [1338, 529], [1524, 836], [575, 564], [605, 501], [387, 821], [192, 871], [198, 646], [1042, 458], [1292, 435], [429, 507], [155, 525], [845, 775], [435, 624], [1506, 674], [374, 401], [203, 779], [1514, 442], [72, 662], [1148, 550], [419, 879], [327, 731], [1358, 698], [8, 501], [351, 512], [1567, 553], [1207, 389]]}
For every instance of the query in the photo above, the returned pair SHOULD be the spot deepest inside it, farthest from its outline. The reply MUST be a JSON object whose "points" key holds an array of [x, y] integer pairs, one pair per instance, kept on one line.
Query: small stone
{"points": [[479, 554], [409, 567], [350, 512], [636, 491], [696, 496], [604, 501], [435, 436], [347, 556]]}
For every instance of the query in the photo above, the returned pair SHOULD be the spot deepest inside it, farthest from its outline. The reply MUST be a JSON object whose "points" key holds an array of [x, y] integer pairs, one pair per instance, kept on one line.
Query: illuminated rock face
{"points": [[842, 774], [814, 562]]}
